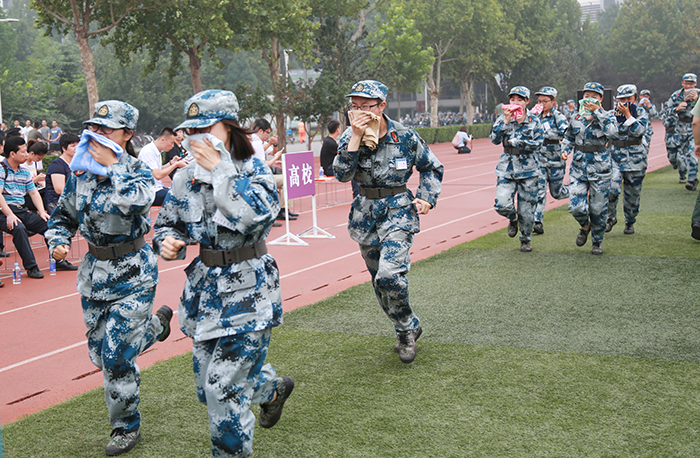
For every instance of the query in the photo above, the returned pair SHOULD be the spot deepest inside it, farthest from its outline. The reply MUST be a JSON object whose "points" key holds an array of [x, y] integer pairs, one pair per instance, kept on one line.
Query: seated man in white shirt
{"points": [[151, 155], [263, 144]]}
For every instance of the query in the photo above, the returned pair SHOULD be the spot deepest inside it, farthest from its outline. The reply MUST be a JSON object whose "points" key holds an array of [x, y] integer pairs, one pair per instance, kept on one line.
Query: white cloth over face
{"points": [[200, 173], [82, 159]]}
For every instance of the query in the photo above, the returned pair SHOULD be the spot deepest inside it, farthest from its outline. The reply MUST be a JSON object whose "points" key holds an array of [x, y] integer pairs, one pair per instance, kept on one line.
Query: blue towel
{"points": [[83, 160]]}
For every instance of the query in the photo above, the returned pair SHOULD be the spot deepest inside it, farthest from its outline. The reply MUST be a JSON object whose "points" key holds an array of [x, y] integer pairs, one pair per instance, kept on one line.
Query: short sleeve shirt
{"points": [[16, 185], [55, 133], [150, 155], [57, 167]]}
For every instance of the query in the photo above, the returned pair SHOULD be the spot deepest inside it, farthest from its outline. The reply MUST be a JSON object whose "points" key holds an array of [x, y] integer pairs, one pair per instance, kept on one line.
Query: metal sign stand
{"points": [[288, 238], [315, 232]]}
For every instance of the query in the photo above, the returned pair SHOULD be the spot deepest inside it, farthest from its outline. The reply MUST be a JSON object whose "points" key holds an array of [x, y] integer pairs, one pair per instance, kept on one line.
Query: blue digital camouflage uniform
{"points": [[552, 166], [590, 172], [680, 145], [117, 295], [629, 165], [384, 227], [518, 173], [227, 311]]}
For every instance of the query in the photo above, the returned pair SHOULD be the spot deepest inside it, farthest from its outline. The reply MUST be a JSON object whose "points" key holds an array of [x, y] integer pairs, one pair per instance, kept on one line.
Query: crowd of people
{"points": [[609, 150], [226, 195]]}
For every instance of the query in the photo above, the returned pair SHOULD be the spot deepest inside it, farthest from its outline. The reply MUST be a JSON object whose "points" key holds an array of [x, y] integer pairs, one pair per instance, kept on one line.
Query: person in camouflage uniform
{"points": [[679, 133], [652, 112], [117, 277], [518, 168], [591, 167], [629, 155], [552, 168], [384, 216], [226, 201]]}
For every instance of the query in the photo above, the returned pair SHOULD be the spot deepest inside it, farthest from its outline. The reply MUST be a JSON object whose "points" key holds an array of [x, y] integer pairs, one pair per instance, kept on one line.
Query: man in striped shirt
{"points": [[15, 218]]}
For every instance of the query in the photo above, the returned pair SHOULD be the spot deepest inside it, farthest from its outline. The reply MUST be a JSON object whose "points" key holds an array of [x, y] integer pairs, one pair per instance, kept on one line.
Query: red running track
{"points": [[43, 352]]}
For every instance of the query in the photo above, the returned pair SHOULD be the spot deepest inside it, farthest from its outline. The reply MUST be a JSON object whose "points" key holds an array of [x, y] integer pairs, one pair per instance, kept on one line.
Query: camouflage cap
{"points": [[369, 89], [522, 91], [115, 114], [690, 77], [547, 90], [594, 87], [645, 92], [208, 107], [626, 90]]}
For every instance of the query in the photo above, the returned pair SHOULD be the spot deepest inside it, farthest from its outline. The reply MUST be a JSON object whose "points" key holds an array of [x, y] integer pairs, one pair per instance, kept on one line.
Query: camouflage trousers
{"points": [[118, 331], [632, 196], [526, 189], [231, 374], [555, 177], [685, 159], [588, 202], [388, 263]]}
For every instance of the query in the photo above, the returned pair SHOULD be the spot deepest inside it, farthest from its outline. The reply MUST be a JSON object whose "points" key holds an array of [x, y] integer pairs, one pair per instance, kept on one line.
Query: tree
{"points": [[271, 27], [440, 23], [189, 27], [656, 41], [397, 54], [79, 16]]}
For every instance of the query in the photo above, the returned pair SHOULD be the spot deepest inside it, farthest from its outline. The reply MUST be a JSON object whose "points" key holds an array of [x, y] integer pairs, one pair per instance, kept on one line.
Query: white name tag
{"points": [[221, 220], [546, 126], [401, 164]]}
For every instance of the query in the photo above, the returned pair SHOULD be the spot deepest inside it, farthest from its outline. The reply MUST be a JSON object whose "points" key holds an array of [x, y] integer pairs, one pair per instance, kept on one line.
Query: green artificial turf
{"points": [[554, 353]]}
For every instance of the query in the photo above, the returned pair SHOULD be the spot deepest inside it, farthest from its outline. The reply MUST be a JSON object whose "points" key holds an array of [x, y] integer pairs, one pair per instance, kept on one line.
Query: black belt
{"points": [[551, 142], [224, 258], [379, 193], [591, 149], [107, 253], [620, 144], [515, 151]]}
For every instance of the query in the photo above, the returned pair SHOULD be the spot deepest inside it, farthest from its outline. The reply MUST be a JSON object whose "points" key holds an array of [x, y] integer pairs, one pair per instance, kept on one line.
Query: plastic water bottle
{"points": [[320, 172], [16, 274], [52, 266]]}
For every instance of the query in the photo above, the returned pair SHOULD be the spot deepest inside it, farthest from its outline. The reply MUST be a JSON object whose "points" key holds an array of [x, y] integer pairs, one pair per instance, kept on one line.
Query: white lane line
{"points": [[45, 355], [160, 271]]}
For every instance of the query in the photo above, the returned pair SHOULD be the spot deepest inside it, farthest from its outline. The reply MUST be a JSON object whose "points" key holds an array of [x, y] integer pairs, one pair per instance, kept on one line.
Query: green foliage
{"points": [[48, 159], [254, 103], [446, 133], [396, 52]]}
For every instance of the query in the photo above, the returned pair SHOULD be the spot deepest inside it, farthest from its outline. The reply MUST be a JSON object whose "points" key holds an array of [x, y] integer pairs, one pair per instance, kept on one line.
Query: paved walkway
{"points": [[43, 354]]}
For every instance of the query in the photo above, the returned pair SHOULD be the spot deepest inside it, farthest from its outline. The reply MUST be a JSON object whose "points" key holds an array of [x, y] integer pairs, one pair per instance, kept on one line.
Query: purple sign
{"points": [[299, 174]]}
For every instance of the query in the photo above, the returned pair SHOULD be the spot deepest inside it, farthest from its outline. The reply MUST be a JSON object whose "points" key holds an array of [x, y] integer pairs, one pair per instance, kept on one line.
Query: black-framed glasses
{"points": [[197, 130], [100, 128], [353, 107]]}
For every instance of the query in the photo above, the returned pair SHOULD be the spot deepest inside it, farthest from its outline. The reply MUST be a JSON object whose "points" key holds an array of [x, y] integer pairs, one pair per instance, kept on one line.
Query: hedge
{"points": [[47, 160], [445, 134]]}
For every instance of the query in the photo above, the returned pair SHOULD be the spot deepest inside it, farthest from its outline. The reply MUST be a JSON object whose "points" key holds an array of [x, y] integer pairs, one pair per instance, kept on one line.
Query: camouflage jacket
{"points": [[390, 164], [631, 158], [677, 122], [596, 132], [108, 211], [237, 209], [554, 125], [527, 136]]}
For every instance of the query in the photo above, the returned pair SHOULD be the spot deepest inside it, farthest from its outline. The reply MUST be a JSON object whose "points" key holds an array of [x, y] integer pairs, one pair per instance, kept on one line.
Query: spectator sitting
{"points": [[16, 219], [36, 151], [330, 147], [177, 150], [59, 170], [263, 143], [151, 155]]}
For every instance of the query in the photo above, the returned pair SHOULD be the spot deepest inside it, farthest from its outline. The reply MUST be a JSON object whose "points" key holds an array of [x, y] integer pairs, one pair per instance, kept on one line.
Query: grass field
{"points": [[554, 353]]}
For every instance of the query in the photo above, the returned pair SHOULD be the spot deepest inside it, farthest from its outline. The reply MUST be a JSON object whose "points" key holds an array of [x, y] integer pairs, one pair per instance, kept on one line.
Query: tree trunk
{"points": [[195, 70], [434, 90], [87, 60], [467, 90], [273, 57]]}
